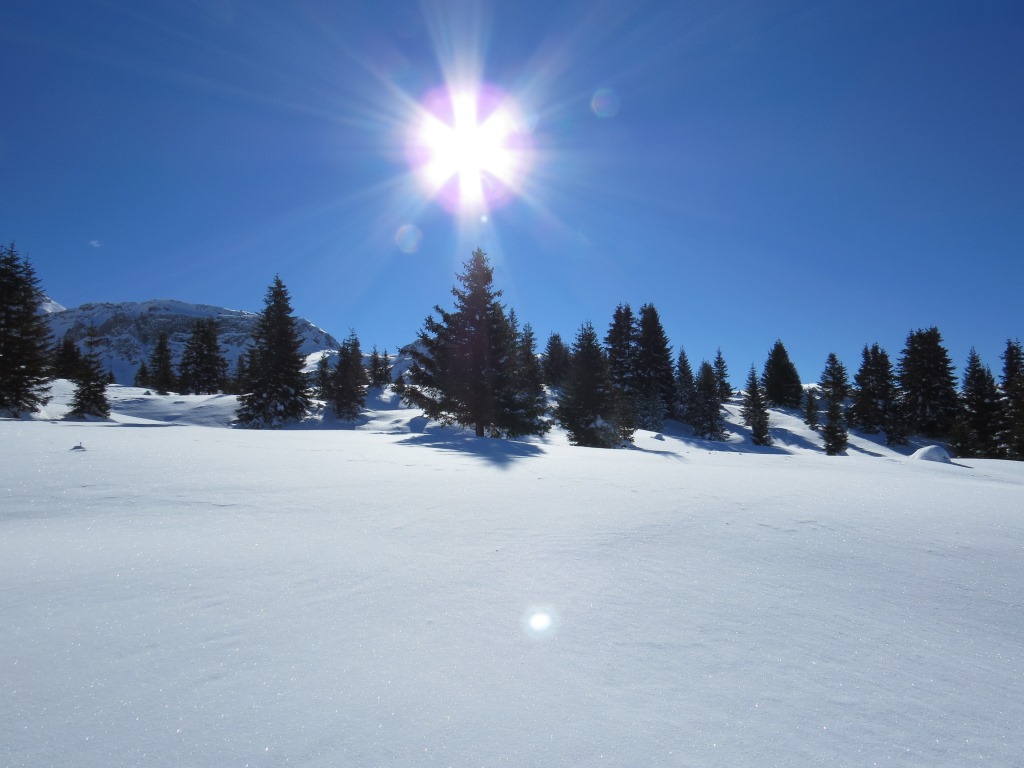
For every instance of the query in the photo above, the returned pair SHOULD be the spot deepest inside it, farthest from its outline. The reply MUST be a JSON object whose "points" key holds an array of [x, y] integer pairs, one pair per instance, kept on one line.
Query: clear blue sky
{"points": [[827, 173]]}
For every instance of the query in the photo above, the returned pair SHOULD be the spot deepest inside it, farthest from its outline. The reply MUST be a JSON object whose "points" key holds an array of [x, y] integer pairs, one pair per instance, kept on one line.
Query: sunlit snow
{"points": [[393, 593]]}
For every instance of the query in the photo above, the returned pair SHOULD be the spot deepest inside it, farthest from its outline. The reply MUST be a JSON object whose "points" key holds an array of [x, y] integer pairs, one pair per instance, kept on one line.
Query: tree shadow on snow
{"points": [[497, 451]]}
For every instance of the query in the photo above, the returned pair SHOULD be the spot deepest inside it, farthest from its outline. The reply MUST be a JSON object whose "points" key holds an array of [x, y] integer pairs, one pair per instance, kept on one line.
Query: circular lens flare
{"points": [[470, 147]]}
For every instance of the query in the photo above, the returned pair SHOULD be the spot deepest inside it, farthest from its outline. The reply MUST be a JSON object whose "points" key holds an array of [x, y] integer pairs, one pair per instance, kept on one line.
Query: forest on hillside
{"points": [[477, 365]]}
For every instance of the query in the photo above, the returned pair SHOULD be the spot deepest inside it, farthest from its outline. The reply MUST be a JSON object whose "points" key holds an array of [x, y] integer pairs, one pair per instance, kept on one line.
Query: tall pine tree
{"points": [[706, 414], [589, 405], [653, 377], [782, 386], [755, 411], [928, 385], [462, 361], [1011, 383], [277, 387], [161, 366], [203, 369], [24, 337], [835, 388], [90, 395], [556, 361], [686, 391], [380, 368], [976, 432], [349, 381], [722, 377]]}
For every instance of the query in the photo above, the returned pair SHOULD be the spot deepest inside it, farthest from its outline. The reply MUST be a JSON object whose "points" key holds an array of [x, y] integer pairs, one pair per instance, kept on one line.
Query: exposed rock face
{"points": [[128, 331]]}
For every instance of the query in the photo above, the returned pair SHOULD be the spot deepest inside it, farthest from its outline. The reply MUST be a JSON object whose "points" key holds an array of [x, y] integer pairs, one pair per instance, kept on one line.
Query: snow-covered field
{"points": [[181, 594]]}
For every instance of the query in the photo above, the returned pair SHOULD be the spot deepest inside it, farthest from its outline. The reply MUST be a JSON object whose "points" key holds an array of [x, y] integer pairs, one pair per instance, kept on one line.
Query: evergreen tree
{"points": [[349, 382], [653, 376], [621, 348], [521, 399], [928, 385], [24, 337], [978, 425], [380, 368], [203, 369], [834, 432], [706, 414], [1012, 385], [686, 391], [589, 403], [755, 411], [811, 407], [556, 361], [238, 382], [277, 390], [66, 358], [161, 366], [142, 377], [835, 388], [782, 386], [90, 395], [722, 377], [462, 359], [323, 378], [874, 390]]}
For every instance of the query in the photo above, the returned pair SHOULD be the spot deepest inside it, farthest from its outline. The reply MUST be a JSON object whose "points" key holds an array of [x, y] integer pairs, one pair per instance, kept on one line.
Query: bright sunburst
{"points": [[470, 148]]}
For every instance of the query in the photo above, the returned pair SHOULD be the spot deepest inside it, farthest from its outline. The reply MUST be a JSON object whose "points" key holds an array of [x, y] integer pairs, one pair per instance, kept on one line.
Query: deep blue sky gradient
{"points": [[827, 173]]}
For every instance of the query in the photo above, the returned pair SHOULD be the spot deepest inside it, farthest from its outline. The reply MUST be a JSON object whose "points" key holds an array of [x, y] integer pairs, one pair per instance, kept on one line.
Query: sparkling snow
{"points": [[179, 593]]}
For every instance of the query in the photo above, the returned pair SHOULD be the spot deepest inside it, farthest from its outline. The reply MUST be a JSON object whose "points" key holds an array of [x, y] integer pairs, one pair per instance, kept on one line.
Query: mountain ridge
{"points": [[128, 330]]}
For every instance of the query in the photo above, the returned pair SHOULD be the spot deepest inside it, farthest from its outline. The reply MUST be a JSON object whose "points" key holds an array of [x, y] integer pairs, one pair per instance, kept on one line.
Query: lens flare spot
{"points": [[408, 238], [605, 102], [540, 621]]}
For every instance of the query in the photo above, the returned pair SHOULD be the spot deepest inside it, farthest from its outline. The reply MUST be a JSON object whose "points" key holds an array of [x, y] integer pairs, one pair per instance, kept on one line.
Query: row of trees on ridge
{"points": [[477, 366]]}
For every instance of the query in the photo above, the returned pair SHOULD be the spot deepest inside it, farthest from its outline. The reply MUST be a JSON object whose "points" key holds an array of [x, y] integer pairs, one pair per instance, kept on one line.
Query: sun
{"points": [[470, 148]]}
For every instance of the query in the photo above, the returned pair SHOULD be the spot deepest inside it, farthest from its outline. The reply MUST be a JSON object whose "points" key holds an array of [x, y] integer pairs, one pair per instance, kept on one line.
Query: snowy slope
{"points": [[129, 330], [403, 595]]}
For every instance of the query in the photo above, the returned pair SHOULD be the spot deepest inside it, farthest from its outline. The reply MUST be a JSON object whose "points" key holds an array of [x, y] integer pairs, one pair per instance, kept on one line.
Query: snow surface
{"points": [[931, 453], [397, 594]]}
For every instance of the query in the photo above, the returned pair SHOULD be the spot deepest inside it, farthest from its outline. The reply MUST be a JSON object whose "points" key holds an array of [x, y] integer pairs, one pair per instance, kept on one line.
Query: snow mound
{"points": [[932, 453]]}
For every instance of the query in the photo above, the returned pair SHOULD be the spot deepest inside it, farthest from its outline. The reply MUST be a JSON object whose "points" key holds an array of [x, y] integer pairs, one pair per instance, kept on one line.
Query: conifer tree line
{"points": [[477, 365]]}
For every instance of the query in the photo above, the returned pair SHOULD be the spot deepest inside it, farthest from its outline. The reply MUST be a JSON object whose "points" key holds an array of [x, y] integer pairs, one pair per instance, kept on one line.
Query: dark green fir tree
{"points": [[556, 361], [142, 377], [24, 337], [722, 377], [161, 366], [755, 410], [521, 399], [590, 405], [350, 380], [706, 417], [323, 378], [685, 390], [461, 360], [781, 382], [835, 388], [810, 407], [653, 377], [1011, 383], [203, 369], [277, 390], [380, 368], [66, 358], [928, 385], [976, 431], [90, 395]]}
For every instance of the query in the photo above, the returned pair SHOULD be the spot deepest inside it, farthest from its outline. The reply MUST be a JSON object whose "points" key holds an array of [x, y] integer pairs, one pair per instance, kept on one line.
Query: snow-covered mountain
{"points": [[128, 331]]}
